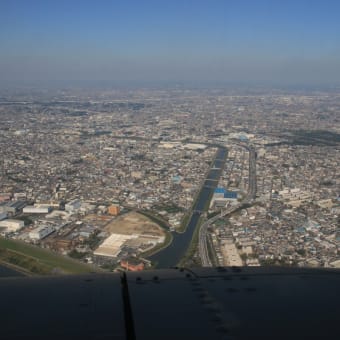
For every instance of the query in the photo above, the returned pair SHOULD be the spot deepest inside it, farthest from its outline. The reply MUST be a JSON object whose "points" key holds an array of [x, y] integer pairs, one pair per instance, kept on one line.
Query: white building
{"points": [[12, 225], [87, 207], [41, 232], [112, 245], [20, 196], [73, 206], [30, 209]]}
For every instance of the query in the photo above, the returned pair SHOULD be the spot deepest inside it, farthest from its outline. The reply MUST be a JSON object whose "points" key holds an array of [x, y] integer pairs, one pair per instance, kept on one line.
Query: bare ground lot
{"points": [[134, 223]]}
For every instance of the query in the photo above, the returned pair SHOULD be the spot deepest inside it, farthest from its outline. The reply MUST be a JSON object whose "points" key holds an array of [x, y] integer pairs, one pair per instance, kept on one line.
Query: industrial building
{"points": [[3, 215], [30, 209], [73, 206], [40, 232], [20, 196], [114, 209], [12, 225], [223, 193], [12, 207], [112, 245], [5, 197], [221, 197]]}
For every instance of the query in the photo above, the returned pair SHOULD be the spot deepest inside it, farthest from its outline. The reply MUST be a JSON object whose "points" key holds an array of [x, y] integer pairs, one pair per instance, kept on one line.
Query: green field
{"points": [[38, 260]]}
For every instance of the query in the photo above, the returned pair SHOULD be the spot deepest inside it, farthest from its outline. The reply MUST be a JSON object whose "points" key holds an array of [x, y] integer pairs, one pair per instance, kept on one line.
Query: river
{"points": [[170, 256], [7, 272]]}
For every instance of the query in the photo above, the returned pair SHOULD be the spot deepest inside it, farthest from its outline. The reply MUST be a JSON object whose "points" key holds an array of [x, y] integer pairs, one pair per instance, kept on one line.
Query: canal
{"points": [[170, 256]]}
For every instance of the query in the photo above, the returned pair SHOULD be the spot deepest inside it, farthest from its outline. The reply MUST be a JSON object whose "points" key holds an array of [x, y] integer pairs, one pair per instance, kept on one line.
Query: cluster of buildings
{"points": [[83, 230], [295, 219], [67, 155]]}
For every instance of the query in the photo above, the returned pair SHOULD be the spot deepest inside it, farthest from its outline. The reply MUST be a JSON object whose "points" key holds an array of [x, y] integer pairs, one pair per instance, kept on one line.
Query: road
{"points": [[250, 197], [252, 175]]}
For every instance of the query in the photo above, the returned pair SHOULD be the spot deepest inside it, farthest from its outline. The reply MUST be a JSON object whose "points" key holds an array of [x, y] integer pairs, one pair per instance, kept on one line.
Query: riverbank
{"points": [[32, 259], [188, 257], [168, 240], [8, 270], [172, 255], [164, 225], [186, 218]]}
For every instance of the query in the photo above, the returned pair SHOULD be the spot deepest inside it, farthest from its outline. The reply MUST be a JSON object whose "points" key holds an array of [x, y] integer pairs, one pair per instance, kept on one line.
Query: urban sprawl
{"points": [[108, 177]]}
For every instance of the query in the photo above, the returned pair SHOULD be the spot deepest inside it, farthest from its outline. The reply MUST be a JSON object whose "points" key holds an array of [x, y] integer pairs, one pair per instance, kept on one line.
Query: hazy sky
{"points": [[273, 41]]}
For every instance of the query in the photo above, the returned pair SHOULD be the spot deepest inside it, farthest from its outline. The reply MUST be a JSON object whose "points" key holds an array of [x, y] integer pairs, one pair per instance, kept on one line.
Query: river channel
{"points": [[170, 256], [7, 272]]}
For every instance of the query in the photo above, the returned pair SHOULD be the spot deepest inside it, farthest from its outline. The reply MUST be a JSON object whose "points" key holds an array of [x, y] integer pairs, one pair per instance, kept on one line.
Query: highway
{"points": [[250, 197]]}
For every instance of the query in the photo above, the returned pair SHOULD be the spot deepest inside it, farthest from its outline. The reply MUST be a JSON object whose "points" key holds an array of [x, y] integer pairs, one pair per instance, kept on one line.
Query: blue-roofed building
{"points": [[243, 138], [222, 196], [230, 195], [176, 179], [219, 191], [301, 230], [223, 193]]}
